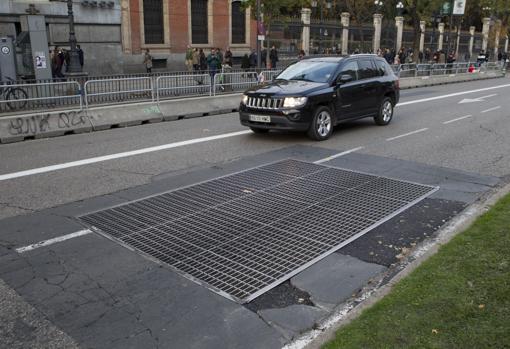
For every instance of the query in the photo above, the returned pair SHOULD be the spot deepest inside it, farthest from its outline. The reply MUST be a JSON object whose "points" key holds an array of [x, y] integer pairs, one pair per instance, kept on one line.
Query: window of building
{"points": [[153, 21], [238, 29], [199, 22]]}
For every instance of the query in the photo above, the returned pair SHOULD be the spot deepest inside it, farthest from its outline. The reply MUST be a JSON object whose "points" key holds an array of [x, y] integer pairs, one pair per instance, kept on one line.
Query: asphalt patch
{"points": [[393, 240]]}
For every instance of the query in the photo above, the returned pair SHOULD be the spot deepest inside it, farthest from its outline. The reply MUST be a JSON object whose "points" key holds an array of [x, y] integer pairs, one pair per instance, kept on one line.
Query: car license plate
{"points": [[260, 118]]}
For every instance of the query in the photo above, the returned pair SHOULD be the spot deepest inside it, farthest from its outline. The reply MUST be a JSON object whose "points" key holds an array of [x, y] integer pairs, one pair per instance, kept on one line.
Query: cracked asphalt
{"points": [[91, 292]]}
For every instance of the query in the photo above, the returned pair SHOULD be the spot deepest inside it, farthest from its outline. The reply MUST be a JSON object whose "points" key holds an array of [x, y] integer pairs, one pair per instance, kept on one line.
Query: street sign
{"points": [[262, 37], [446, 9], [459, 7]]}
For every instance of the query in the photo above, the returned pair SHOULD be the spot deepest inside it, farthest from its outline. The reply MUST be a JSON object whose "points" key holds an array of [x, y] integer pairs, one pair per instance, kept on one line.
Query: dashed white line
{"points": [[491, 109], [338, 155], [53, 241], [407, 134], [457, 119]]}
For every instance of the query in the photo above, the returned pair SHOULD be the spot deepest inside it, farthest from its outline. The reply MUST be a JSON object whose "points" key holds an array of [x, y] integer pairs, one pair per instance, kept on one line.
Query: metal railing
{"points": [[108, 91], [183, 86], [38, 96], [229, 82]]}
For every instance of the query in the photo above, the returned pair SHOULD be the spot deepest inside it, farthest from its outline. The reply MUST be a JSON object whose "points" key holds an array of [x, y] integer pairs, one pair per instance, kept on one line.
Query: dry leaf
{"points": [[481, 306], [434, 331]]}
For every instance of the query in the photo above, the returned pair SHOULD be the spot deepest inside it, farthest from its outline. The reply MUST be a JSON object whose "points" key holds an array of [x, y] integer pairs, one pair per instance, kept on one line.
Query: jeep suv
{"points": [[315, 94]]}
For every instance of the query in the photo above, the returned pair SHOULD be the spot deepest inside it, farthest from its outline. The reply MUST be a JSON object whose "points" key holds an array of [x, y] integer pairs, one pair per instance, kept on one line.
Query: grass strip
{"points": [[458, 298]]}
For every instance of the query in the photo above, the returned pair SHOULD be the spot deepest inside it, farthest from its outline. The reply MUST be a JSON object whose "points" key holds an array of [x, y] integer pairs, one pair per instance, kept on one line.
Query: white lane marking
{"points": [[118, 155], [457, 119], [338, 155], [407, 134], [474, 100], [188, 142], [452, 95], [53, 241], [491, 109]]}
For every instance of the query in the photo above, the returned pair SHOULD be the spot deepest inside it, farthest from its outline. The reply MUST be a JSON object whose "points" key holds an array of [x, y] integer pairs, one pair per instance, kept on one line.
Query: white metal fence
{"points": [[37, 96], [66, 94]]}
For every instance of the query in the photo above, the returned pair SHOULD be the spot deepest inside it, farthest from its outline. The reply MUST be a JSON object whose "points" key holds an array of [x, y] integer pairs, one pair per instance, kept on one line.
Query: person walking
{"points": [[196, 60], [301, 55], [273, 57], [245, 63], [202, 61], [213, 62], [189, 58], [228, 58], [147, 61], [81, 57]]}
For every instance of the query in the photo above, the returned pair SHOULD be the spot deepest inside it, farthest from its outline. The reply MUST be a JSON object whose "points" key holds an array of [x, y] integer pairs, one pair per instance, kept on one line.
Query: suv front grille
{"points": [[265, 103]]}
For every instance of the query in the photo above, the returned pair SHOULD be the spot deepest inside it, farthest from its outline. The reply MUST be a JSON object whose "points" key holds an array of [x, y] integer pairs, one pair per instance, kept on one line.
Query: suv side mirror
{"points": [[343, 79]]}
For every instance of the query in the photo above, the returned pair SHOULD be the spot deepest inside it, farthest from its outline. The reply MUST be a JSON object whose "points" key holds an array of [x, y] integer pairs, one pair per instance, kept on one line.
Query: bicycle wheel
{"points": [[17, 98]]}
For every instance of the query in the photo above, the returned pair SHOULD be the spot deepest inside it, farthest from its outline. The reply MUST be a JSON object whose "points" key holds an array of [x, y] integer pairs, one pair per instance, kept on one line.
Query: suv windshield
{"points": [[309, 70]]}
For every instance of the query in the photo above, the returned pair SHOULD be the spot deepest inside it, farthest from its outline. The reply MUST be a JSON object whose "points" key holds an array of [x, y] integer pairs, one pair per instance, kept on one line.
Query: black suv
{"points": [[315, 94]]}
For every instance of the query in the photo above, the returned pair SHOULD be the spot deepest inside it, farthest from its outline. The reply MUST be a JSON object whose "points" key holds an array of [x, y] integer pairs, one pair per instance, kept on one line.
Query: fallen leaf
{"points": [[301, 300], [481, 306], [434, 331]]}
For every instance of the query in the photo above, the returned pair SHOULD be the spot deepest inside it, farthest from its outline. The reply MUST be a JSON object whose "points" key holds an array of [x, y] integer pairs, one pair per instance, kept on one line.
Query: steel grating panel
{"points": [[242, 234]]}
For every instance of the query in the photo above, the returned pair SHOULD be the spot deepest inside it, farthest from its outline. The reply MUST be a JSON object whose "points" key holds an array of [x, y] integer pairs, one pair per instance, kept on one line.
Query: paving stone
{"points": [[335, 278], [294, 319]]}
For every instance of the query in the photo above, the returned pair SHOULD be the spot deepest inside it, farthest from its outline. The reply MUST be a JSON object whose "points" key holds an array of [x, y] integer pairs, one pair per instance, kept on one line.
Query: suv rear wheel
{"points": [[385, 113], [322, 124]]}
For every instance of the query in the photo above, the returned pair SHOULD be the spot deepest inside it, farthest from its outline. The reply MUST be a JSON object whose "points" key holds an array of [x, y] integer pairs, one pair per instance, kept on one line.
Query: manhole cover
{"points": [[245, 233]]}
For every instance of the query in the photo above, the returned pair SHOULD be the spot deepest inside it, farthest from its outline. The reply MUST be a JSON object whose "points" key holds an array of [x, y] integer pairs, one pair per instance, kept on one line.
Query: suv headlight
{"points": [[244, 100], [294, 102]]}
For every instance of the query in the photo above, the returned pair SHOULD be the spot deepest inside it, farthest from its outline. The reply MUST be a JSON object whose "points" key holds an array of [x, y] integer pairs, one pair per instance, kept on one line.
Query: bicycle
{"points": [[17, 95]]}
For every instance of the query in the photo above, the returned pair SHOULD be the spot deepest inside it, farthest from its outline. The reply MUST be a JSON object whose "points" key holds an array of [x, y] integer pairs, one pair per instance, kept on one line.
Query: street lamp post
{"points": [[74, 66], [322, 31], [400, 8], [435, 19], [399, 22]]}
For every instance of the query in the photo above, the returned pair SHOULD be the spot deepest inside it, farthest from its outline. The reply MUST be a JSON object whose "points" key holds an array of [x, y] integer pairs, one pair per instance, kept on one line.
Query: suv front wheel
{"points": [[385, 113], [322, 124]]}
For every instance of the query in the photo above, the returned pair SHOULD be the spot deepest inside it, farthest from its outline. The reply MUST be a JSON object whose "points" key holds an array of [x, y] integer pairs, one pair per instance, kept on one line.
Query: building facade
{"points": [[167, 27], [114, 33]]}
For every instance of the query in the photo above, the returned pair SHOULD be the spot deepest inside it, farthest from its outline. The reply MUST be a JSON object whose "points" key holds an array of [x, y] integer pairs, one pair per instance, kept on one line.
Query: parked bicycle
{"points": [[16, 97]]}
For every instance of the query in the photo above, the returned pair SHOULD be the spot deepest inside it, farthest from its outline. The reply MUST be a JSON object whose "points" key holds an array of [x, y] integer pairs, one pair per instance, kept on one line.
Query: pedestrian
{"points": [[273, 57], [220, 57], [228, 58], [189, 58], [245, 63], [147, 61], [263, 58], [253, 59], [253, 62], [203, 61], [213, 61], [301, 55], [80, 56], [196, 60]]}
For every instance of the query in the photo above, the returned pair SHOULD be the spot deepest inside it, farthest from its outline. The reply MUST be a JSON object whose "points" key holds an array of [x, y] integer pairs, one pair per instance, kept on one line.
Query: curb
{"points": [[348, 311], [19, 128]]}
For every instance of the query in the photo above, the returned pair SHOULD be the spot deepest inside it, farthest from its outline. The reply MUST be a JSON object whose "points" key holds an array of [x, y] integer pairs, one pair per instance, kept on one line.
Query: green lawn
{"points": [[459, 298]]}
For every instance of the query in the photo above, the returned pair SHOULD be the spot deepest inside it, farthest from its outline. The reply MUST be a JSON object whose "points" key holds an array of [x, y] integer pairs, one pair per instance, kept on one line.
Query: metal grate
{"points": [[243, 234]]}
